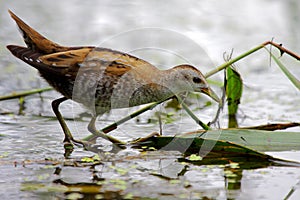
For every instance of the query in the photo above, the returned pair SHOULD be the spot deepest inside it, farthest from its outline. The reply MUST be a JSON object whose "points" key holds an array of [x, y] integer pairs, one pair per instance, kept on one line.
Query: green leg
{"points": [[92, 128], [102, 133], [113, 126], [68, 135]]}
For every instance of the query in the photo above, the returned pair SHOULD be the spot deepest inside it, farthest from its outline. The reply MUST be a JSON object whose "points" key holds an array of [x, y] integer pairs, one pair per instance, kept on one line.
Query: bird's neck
{"points": [[171, 79]]}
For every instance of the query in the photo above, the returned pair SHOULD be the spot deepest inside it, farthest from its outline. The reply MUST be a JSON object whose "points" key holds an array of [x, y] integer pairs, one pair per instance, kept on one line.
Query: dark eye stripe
{"points": [[197, 80]]}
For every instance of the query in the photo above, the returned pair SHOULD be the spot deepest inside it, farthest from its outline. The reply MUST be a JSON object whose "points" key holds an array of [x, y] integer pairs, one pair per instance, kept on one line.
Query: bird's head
{"points": [[188, 78]]}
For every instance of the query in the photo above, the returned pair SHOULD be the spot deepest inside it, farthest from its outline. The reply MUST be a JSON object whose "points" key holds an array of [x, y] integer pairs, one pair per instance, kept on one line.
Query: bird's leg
{"points": [[55, 105], [115, 125], [68, 135], [92, 128], [96, 133]]}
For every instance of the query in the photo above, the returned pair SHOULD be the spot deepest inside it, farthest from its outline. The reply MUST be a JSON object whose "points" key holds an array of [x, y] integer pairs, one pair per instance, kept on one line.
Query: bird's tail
{"points": [[36, 41], [31, 57]]}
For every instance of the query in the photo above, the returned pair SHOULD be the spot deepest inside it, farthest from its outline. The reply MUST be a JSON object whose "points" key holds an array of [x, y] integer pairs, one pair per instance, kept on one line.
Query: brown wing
{"points": [[113, 62], [108, 55], [88, 60], [66, 58]]}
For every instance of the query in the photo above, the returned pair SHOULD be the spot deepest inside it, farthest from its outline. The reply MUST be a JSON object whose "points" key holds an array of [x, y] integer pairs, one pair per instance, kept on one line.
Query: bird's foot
{"points": [[69, 147], [70, 142]]}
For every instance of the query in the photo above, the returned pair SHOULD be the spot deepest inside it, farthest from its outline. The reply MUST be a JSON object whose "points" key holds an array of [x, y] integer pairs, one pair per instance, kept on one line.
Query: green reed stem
{"points": [[226, 64], [23, 94], [193, 116], [230, 62]]}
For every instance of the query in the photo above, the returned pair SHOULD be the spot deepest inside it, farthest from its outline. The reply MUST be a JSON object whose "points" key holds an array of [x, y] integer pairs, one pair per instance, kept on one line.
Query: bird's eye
{"points": [[197, 80]]}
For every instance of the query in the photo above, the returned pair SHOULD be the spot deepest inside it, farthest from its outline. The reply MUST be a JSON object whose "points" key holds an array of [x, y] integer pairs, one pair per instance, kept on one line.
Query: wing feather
{"points": [[66, 58]]}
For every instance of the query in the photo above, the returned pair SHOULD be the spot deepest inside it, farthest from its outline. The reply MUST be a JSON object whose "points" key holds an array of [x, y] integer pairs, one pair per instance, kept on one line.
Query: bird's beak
{"points": [[211, 94]]}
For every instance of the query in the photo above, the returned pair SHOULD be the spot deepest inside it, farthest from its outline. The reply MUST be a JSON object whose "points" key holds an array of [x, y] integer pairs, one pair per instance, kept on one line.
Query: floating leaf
{"points": [[93, 159], [255, 139], [194, 157], [221, 151]]}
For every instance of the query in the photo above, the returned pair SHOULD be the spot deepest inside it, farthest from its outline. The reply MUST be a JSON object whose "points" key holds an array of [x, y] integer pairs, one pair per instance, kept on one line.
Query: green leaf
{"points": [[93, 159], [290, 76], [260, 140], [234, 89], [194, 157], [214, 151]]}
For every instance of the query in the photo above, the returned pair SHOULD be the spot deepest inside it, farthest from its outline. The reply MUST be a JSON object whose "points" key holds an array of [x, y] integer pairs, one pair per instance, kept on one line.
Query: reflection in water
{"points": [[233, 177]]}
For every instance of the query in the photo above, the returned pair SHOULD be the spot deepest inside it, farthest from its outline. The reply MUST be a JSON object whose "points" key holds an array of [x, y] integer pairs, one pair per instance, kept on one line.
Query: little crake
{"points": [[102, 79]]}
